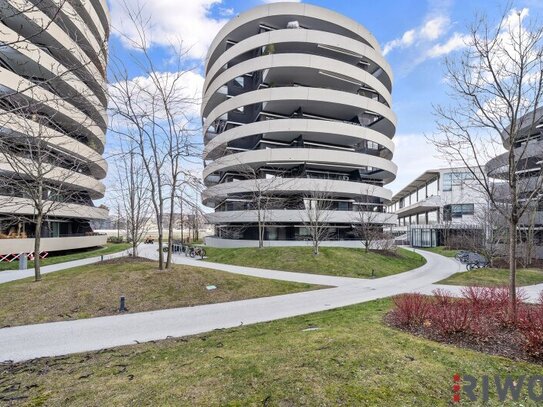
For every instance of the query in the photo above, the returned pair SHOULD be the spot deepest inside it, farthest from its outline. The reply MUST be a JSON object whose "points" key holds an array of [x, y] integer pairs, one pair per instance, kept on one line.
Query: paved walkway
{"points": [[59, 338], [12, 275]]}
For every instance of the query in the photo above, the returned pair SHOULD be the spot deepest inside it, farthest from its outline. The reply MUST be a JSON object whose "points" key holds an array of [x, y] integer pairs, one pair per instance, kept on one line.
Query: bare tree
{"points": [[154, 111], [489, 234], [133, 190], [262, 195], [39, 172], [494, 84], [369, 221], [316, 215]]}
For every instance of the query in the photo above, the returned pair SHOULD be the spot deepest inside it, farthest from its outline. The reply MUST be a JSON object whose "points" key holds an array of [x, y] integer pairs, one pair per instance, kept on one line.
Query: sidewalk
{"points": [[12, 275], [60, 338]]}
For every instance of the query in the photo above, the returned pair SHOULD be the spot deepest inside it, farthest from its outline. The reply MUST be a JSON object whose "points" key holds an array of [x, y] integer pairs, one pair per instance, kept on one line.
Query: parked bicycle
{"points": [[194, 251], [462, 256], [476, 265]]}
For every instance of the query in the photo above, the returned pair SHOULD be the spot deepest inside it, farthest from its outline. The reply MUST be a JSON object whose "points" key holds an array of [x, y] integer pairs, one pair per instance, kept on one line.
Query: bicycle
{"points": [[476, 265], [195, 251]]}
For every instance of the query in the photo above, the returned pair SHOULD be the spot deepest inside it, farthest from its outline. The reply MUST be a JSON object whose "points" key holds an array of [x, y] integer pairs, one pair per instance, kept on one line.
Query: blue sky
{"points": [[415, 35]]}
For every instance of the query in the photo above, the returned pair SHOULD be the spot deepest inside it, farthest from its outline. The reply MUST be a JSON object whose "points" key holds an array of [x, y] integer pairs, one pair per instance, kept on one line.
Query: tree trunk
{"points": [[37, 243], [170, 236], [260, 228], [513, 269], [160, 253]]}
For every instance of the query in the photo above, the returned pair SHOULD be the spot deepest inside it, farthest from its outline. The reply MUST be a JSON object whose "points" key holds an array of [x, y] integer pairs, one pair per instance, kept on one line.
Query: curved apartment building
{"points": [[529, 158], [53, 114], [296, 108]]}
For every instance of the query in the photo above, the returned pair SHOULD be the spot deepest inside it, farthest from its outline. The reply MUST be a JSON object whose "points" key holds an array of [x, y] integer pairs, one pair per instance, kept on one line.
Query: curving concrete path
{"points": [[12, 275], [60, 338]]}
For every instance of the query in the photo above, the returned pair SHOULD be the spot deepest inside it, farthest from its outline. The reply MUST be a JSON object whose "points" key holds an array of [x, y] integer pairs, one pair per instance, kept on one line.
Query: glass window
{"points": [[451, 179], [413, 198], [432, 217], [343, 206], [456, 211], [447, 181], [468, 209], [239, 81], [432, 188], [447, 213]]}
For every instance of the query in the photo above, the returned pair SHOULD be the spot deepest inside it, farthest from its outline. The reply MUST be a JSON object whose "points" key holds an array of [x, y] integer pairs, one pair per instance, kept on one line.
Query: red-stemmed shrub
{"points": [[530, 326], [454, 318], [479, 316], [410, 309]]}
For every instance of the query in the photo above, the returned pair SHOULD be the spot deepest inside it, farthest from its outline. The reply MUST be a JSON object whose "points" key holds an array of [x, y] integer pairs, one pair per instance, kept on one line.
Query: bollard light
{"points": [[122, 304]]}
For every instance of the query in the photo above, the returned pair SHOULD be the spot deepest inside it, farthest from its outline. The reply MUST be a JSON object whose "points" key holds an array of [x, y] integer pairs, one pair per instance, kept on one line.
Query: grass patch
{"points": [[94, 290], [353, 359], [441, 250], [71, 255], [494, 277], [335, 261]]}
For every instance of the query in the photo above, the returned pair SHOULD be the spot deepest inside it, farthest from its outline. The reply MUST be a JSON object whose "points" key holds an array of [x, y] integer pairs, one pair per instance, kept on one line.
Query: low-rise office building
{"points": [[439, 205]]}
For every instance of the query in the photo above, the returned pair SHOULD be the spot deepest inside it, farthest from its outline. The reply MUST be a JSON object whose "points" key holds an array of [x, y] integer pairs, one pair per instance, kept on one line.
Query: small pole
{"points": [[122, 305], [102, 257], [23, 263], [372, 273]]}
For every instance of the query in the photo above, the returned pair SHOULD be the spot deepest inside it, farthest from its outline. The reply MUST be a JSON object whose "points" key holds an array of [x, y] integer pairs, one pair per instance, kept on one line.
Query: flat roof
{"points": [[414, 185]]}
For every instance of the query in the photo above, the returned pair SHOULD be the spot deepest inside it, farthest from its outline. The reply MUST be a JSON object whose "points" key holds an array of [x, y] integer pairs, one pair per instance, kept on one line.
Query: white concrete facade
{"points": [[297, 104], [53, 95], [445, 198], [529, 157]]}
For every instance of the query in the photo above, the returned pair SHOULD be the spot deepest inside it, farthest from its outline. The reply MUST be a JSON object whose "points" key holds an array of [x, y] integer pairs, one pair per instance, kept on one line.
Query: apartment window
{"points": [[431, 188], [343, 206], [451, 212], [451, 179], [239, 81]]}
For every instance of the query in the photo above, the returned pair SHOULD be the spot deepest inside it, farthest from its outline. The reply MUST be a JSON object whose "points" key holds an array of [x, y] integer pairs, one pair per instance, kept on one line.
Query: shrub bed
{"points": [[480, 319]]}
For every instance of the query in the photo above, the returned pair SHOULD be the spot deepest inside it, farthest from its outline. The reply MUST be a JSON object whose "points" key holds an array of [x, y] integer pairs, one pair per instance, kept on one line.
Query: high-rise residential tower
{"points": [[53, 111], [296, 110]]}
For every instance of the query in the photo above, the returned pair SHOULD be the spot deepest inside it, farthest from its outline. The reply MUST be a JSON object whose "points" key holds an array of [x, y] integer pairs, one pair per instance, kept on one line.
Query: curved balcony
{"points": [[321, 72], [300, 216], [309, 42], [293, 186], [318, 131], [285, 100], [52, 244], [74, 180], [278, 15], [284, 157], [15, 126]]}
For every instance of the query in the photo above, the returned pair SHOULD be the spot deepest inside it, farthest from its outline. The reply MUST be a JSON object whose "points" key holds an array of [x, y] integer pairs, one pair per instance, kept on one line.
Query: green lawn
{"points": [[334, 261], [72, 255], [494, 277], [441, 250], [348, 357], [94, 290]]}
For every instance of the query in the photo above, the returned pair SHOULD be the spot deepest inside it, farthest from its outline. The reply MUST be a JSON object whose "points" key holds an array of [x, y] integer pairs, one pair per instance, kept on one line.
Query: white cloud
{"points": [[404, 41], [171, 21], [434, 28], [185, 88], [455, 42], [413, 155], [431, 30]]}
